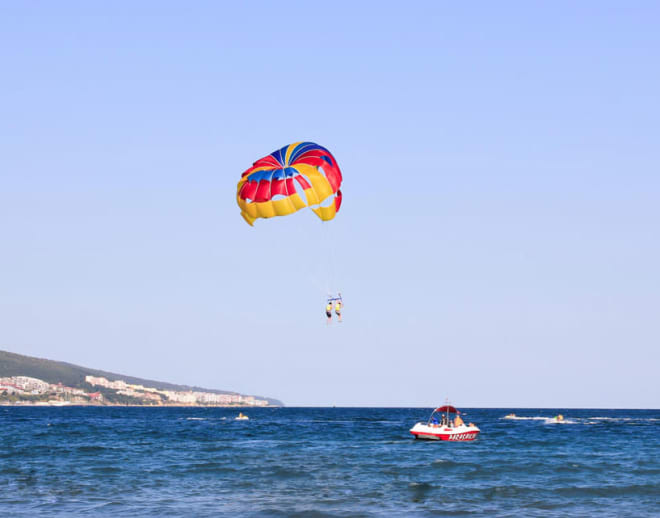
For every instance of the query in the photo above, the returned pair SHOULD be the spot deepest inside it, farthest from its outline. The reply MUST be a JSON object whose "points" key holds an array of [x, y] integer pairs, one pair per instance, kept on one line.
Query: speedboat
{"points": [[447, 429], [242, 417], [511, 416]]}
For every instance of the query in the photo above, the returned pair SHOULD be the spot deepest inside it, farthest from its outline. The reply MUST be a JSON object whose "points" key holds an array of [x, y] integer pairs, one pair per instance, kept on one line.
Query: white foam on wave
{"points": [[552, 420], [625, 419]]}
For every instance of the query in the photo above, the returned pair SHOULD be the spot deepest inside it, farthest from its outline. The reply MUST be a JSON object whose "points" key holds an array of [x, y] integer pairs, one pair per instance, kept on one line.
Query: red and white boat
{"points": [[445, 429]]}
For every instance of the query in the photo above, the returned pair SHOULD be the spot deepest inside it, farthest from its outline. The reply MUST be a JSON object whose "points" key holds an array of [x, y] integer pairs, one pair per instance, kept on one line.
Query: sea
{"points": [[318, 462]]}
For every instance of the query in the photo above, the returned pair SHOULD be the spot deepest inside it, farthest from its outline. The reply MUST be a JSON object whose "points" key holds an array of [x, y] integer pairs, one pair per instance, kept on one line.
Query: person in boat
{"points": [[434, 422], [443, 420], [338, 308], [458, 421], [328, 311]]}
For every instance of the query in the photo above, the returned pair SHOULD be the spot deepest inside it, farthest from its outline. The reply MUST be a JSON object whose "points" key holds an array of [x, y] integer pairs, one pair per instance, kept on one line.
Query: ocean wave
{"points": [[91, 449], [520, 418], [609, 491], [446, 463], [212, 467]]}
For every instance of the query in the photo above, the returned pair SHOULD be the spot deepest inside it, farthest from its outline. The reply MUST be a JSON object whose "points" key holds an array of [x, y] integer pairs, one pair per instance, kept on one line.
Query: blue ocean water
{"points": [[84, 461]]}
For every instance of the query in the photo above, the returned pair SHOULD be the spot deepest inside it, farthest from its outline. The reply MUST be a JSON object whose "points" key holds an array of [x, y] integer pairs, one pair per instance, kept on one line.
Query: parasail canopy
{"points": [[302, 174]]}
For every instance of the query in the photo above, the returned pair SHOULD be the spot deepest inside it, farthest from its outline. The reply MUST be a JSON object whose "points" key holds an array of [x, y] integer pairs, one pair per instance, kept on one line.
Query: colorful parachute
{"points": [[275, 185]]}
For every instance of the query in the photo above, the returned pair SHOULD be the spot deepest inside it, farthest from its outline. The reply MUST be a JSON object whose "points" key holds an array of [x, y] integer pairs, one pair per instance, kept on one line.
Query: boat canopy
{"points": [[447, 408]]}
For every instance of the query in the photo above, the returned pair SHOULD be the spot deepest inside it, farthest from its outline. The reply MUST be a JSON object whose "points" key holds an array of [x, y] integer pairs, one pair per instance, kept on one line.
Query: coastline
{"points": [[54, 404]]}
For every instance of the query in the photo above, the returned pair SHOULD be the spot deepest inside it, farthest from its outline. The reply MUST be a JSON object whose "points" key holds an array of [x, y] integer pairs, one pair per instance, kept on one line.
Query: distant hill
{"points": [[12, 364]]}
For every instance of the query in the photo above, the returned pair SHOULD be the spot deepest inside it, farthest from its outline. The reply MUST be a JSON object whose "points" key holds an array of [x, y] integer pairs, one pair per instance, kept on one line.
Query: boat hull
{"points": [[461, 433]]}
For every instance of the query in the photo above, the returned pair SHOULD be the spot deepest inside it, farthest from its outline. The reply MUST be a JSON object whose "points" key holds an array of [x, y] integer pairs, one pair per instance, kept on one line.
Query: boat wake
{"points": [[583, 420], [624, 419], [552, 420]]}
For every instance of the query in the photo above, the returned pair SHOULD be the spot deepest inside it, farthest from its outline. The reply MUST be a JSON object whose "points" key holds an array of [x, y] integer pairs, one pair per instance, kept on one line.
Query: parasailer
{"points": [[328, 312], [339, 305], [302, 174], [336, 303]]}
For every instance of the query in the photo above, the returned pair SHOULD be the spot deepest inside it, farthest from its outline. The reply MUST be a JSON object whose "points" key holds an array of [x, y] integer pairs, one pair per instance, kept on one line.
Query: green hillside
{"points": [[12, 364]]}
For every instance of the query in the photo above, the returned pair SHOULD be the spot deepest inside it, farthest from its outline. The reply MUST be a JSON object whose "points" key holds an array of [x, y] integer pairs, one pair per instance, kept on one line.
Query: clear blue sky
{"points": [[499, 241]]}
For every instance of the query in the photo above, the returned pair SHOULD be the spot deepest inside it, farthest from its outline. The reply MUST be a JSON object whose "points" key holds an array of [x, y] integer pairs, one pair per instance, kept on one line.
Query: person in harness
{"points": [[336, 304], [328, 311], [338, 307]]}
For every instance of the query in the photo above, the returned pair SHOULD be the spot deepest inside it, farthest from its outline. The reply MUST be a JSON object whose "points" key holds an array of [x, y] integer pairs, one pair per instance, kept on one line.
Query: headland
{"points": [[25, 380]]}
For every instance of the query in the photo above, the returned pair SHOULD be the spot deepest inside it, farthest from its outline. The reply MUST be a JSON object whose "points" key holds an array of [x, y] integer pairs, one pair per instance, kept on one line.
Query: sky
{"points": [[499, 238]]}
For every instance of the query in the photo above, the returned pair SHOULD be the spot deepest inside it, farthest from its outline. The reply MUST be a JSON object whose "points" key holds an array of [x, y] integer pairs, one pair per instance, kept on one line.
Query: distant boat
{"points": [[446, 429], [242, 417], [510, 416]]}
